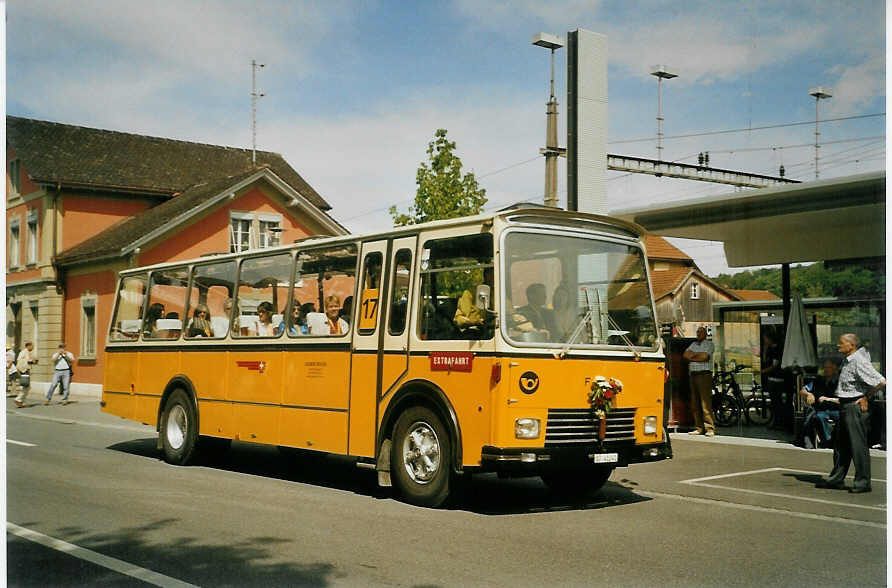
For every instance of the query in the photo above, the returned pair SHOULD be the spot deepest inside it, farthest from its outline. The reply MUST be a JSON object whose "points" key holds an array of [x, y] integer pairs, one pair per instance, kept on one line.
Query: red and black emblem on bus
{"points": [[252, 365], [529, 382]]}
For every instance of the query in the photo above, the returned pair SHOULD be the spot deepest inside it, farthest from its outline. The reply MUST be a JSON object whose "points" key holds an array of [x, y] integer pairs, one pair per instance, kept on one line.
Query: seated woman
{"points": [[297, 323], [201, 325], [155, 312], [265, 326]]}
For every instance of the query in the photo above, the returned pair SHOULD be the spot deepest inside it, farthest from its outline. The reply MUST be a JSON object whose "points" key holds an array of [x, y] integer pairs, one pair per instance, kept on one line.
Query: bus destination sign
{"points": [[451, 361]]}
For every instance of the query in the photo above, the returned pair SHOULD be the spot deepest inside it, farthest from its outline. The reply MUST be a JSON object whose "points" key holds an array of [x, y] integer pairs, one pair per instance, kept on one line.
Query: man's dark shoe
{"points": [[831, 485], [859, 490]]}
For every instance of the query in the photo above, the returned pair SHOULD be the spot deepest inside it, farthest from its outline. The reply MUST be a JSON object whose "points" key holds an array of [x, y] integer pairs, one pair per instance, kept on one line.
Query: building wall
{"points": [[210, 233], [99, 286], [88, 214]]}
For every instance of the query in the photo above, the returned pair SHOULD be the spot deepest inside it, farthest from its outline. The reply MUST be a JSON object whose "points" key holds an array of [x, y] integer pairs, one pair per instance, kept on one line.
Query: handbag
{"points": [[70, 369], [25, 380]]}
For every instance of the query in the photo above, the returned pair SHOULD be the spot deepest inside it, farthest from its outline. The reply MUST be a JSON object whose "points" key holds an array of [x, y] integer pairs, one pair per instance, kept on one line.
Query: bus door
{"points": [[395, 346], [367, 334]]}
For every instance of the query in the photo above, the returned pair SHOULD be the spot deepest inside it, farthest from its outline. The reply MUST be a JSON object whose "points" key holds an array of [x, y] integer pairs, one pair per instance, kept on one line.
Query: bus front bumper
{"points": [[531, 461]]}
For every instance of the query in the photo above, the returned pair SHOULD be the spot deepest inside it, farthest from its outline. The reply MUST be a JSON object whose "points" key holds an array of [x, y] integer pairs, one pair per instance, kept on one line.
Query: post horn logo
{"points": [[529, 382]]}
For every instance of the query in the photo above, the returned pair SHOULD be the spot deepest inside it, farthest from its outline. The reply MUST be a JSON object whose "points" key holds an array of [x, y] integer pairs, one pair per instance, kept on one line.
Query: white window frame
{"points": [[89, 300], [14, 170], [257, 237], [32, 241], [695, 291], [15, 242], [235, 243]]}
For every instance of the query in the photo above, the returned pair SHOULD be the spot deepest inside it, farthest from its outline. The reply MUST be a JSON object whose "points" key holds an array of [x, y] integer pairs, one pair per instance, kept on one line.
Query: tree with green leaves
{"points": [[443, 192]]}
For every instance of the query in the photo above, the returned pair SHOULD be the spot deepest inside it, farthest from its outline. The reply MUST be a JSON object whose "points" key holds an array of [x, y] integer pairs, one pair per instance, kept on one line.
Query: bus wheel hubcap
{"points": [[176, 427], [421, 453]]}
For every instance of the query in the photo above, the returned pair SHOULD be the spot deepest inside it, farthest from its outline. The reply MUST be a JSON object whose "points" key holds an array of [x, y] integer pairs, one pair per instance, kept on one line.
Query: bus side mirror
{"points": [[482, 297]]}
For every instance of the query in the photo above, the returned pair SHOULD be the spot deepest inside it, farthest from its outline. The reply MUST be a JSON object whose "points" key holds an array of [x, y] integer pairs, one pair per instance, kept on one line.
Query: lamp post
{"points": [[662, 73], [551, 151], [818, 93]]}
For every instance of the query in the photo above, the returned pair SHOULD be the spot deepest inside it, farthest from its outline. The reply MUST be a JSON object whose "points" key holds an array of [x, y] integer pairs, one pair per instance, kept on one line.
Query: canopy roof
{"points": [[837, 218]]}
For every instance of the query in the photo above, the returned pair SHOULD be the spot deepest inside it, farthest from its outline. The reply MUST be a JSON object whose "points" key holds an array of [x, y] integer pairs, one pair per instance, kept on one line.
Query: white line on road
{"points": [[22, 443], [791, 496], [731, 475], [105, 561], [801, 515]]}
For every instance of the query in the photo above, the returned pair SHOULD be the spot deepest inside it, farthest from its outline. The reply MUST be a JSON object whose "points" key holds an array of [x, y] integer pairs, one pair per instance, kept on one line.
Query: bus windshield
{"points": [[570, 290]]}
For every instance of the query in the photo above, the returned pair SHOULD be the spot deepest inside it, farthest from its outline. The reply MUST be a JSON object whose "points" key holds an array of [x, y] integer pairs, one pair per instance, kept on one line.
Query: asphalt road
{"points": [[90, 503]]}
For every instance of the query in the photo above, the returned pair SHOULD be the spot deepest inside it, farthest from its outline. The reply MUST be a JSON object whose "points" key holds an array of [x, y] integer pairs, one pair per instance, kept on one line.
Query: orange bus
{"points": [[521, 342]]}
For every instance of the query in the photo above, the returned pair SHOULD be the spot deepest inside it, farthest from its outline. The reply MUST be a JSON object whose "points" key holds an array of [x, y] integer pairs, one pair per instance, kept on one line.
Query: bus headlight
{"points": [[526, 428], [650, 425]]}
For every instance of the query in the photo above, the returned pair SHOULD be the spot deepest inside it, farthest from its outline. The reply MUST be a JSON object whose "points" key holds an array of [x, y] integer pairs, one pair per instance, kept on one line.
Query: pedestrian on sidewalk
{"points": [[699, 354], [62, 371], [858, 381], [23, 366], [12, 373]]}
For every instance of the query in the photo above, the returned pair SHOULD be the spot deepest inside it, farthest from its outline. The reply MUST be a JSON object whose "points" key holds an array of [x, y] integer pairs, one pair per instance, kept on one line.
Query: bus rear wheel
{"points": [[578, 482], [179, 429], [420, 458]]}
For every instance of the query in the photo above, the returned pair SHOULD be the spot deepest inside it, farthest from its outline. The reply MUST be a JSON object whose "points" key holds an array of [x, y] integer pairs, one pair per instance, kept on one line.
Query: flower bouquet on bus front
{"points": [[601, 398]]}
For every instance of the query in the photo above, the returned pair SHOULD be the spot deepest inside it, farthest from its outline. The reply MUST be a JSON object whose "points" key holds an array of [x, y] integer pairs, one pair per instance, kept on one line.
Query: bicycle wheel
{"points": [[758, 411], [725, 410]]}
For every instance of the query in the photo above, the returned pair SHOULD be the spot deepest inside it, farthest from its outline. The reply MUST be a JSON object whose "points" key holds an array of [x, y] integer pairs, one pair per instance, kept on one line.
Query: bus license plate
{"points": [[605, 457]]}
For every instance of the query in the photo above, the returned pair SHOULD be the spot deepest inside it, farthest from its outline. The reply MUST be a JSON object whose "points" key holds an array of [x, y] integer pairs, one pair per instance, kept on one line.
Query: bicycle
{"points": [[758, 407], [728, 402]]}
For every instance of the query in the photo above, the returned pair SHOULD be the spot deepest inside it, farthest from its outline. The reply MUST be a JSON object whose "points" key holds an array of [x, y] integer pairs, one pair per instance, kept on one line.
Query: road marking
{"points": [[133, 427], [105, 561], [731, 475], [700, 483], [764, 509], [22, 443]]}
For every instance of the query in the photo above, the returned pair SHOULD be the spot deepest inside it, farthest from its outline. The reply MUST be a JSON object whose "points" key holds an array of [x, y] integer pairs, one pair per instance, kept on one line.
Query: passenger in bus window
{"points": [[297, 325], [333, 324], [264, 326], [201, 323], [565, 318], [156, 311], [535, 311], [470, 320], [347, 310]]}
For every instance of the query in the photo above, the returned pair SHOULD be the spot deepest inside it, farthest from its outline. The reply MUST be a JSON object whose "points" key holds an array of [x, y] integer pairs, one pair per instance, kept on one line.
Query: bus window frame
{"points": [[569, 232], [235, 304], [151, 274], [114, 314], [192, 268], [351, 324]]}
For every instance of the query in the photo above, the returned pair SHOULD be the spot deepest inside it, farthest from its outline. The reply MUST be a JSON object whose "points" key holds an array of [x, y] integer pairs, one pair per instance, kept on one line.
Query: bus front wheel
{"points": [[420, 459], [179, 429], [578, 482]]}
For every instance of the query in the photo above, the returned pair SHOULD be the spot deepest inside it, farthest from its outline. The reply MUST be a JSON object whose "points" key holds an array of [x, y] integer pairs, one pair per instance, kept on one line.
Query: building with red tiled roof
{"points": [[755, 295], [83, 204], [683, 294]]}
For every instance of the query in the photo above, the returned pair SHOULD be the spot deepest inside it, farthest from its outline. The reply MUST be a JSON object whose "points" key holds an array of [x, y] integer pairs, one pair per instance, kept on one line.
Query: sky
{"points": [[354, 90]]}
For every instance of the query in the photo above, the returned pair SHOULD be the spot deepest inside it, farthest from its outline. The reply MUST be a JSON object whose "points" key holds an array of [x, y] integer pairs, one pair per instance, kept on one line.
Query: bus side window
{"points": [[399, 301], [128, 309], [451, 270], [210, 301], [263, 285], [167, 302], [323, 277]]}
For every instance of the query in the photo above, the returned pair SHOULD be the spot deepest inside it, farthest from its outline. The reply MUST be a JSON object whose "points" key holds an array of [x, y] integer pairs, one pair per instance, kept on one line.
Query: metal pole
{"points": [[551, 146], [817, 134], [253, 112], [659, 118]]}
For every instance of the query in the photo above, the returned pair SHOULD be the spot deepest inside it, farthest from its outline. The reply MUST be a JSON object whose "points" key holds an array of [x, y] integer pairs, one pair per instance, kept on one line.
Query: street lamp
{"points": [[551, 151], [662, 73], [818, 93]]}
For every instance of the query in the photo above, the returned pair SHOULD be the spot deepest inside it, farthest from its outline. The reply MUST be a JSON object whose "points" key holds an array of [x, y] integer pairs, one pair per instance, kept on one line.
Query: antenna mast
{"points": [[255, 95]]}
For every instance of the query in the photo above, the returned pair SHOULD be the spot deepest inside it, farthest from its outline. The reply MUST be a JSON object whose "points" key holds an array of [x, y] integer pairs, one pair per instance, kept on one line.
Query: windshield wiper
{"points": [[586, 320]]}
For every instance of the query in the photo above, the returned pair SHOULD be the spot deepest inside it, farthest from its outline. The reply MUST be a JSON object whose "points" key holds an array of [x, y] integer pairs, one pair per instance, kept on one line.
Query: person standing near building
{"points": [[63, 362], [23, 365], [858, 381], [11, 371], [699, 354]]}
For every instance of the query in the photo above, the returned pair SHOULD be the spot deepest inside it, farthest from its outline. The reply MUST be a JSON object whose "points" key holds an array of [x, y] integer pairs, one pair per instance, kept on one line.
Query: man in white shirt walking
{"points": [[699, 353], [23, 365], [63, 363]]}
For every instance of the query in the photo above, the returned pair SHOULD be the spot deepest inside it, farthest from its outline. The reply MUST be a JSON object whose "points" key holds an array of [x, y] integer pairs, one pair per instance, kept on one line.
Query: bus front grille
{"points": [[575, 426]]}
